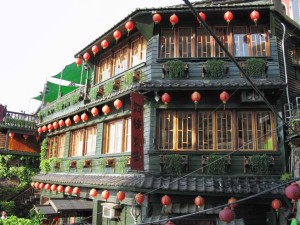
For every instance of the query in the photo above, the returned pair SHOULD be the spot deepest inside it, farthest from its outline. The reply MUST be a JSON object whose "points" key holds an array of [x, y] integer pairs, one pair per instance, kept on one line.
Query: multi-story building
{"points": [[167, 114]]}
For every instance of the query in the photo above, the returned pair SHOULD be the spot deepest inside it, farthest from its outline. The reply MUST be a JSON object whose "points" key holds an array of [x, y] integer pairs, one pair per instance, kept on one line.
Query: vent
{"points": [[251, 96]]}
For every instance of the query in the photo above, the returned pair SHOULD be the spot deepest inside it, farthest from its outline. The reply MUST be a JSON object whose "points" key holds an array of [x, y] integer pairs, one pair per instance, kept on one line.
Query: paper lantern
{"points": [[11, 134], [84, 117], [61, 123], [37, 185], [174, 19], [232, 200], [228, 16], [53, 187], [95, 49], [78, 61], [32, 184], [40, 130], [276, 204], [95, 111], [50, 127], [55, 125], [105, 109], [104, 44], [165, 200], [47, 187], [25, 136], [41, 185], [76, 118], [68, 190], [156, 18], [105, 194], [68, 122], [196, 97], [139, 198], [166, 98], [60, 189], [254, 15], [45, 128], [117, 35], [199, 201], [86, 56], [118, 103], [226, 215], [76, 191], [129, 26], [93, 193], [120, 196], [202, 15]]}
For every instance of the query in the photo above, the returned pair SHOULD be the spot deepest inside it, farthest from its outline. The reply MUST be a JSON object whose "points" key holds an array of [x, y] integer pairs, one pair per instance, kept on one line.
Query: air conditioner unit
{"points": [[251, 96], [110, 210]]}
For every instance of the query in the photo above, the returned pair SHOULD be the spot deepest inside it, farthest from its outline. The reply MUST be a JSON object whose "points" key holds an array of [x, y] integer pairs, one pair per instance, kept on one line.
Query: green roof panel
{"points": [[73, 73]]}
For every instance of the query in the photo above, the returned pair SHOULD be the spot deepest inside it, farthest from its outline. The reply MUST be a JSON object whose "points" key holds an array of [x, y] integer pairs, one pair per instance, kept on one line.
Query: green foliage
{"points": [[58, 106], [215, 164], [8, 207], [174, 69], [23, 173], [66, 165], [102, 163], [93, 93], [285, 177], [121, 164], [172, 164], [19, 123], [53, 162], [128, 78], [44, 162], [35, 219], [108, 87], [215, 68], [255, 67], [79, 165], [260, 164]]}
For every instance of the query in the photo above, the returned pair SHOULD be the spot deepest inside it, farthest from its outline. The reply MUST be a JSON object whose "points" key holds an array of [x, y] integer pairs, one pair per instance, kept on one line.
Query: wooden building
{"points": [[164, 111]]}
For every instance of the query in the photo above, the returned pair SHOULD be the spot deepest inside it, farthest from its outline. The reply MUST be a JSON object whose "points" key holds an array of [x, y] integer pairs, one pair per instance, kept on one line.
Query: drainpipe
{"points": [[285, 71]]}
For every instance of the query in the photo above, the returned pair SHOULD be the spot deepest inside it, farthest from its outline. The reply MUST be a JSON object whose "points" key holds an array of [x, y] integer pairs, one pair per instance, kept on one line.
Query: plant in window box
{"points": [[175, 69], [102, 165], [66, 165], [121, 164], [172, 163], [215, 164], [109, 87], [260, 164], [128, 78], [255, 67], [93, 93], [54, 164], [214, 69], [79, 165]]}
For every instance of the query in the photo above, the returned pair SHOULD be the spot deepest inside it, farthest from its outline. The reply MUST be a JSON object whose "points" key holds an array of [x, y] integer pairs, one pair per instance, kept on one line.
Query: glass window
{"points": [[138, 51], [259, 40], [224, 130], [103, 69], [90, 141], [167, 43], [204, 41], [222, 34], [240, 37], [121, 60], [185, 42], [117, 136], [205, 131], [56, 146]]}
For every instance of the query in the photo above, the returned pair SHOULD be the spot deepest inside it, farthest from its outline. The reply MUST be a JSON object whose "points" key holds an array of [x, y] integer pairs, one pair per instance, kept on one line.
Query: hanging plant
{"points": [[121, 164], [215, 68], [215, 164], [93, 93], [109, 87], [255, 67], [174, 69], [128, 78], [260, 164], [102, 163]]}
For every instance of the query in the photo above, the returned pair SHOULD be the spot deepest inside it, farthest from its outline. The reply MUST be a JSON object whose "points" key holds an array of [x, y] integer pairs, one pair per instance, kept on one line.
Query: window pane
{"points": [[166, 130], [167, 43], [264, 131], [61, 146], [184, 130], [138, 51], [128, 135], [258, 40], [204, 48], [90, 141], [121, 60], [245, 131], [185, 42], [119, 136], [222, 34], [224, 130], [103, 69], [111, 137], [205, 131], [240, 41], [77, 142]]}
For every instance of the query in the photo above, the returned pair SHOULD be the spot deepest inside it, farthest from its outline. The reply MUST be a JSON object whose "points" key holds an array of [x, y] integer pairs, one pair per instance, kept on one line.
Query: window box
{"points": [[175, 69], [222, 163], [214, 69], [173, 163], [259, 164], [255, 67]]}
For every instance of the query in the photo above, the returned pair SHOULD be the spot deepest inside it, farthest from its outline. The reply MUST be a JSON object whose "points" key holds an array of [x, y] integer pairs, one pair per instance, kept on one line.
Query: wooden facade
{"points": [[150, 147]]}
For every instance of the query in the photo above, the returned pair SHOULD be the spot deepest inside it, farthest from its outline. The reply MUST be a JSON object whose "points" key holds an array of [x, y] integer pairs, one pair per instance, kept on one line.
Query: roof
{"points": [[211, 84], [202, 184]]}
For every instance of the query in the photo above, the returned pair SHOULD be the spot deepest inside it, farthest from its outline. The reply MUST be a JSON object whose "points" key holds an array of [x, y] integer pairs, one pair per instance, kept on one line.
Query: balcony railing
{"points": [[19, 120]]}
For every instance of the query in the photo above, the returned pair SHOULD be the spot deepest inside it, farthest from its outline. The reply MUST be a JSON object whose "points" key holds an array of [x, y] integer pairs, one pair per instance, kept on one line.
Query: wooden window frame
{"points": [[103, 65], [138, 43], [125, 134], [208, 43], [121, 55], [254, 40], [56, 146]]}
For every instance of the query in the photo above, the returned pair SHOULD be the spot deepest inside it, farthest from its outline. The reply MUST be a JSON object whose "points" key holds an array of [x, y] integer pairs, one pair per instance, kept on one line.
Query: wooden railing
{"points": [[19, 120]]}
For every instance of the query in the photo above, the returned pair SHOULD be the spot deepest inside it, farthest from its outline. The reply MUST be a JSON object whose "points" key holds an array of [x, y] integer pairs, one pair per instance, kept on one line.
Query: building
{"points": [[291, 9], [165, 114]]}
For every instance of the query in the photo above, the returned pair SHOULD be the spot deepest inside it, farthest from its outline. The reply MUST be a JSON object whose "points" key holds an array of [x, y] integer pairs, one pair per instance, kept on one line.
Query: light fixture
{"points": [[156, 97], [135, 212]]}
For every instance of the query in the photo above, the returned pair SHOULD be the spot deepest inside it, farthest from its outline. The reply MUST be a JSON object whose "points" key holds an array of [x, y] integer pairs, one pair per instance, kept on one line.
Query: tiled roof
{"points": [[211, 84], [203, 184]]}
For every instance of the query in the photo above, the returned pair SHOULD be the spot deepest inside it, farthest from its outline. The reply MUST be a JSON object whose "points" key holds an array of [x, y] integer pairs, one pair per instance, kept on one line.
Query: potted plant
{"points": [[109, 87], [175, 69], [173, 163], [214, 69], [255, 67], [260, 164], [215, 164], [121, 164]]}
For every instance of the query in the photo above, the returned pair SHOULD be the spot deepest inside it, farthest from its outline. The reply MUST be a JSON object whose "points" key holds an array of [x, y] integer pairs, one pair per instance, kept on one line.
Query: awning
{"points": [[73, 73], [46, 210]]}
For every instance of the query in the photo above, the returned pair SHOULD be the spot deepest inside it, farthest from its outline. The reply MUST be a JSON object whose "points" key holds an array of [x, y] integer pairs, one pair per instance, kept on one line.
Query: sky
{"points": [[38, 38]]}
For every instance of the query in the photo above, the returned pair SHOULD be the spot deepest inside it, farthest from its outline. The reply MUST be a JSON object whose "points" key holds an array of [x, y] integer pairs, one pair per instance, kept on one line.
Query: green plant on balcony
{"points": [[102, 165], [121, 164], [214, 69], [285, 177], [172, 164], [255, 67], [260, 164], [93, 93], [79, 165], [53, 163], [109, 87], [128, 78], [58, 106], [175, 69], [215, 164], [66, 166]]}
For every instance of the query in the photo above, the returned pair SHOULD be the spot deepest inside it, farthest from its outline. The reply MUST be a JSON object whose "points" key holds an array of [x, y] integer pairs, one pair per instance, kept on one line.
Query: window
{"points": [[222, 34], [121, 60], [259, 39], [167, 49], [103, 69], [295, 54], [204, 42], [117, 136], [138, 51], [185, 42], [216, 131], [83, 142], [240, 38], [56, 146]]}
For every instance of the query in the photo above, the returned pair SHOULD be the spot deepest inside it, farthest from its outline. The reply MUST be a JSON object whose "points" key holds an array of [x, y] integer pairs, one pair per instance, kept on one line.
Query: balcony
{"points": [[18, 120]]}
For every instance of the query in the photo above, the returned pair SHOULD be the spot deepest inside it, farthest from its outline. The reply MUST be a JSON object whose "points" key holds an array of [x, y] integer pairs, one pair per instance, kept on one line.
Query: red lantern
{"points": [[55, 125], [165, 200], [117, 35], [166, 98], [11, 134], [68, 122], [202, 15], [25, 136], [60, 189], [40, 130], [254, 15], [232, 200], [104, 44], [95, 49], [105, 109], [226, 215], [199, 201], [94, 111], [276, 204], [50, 127], [84, 117], [76, 118], [41, 185], [170, 223], [32, 184], [228, 16], [47, 187], [53, 187], [86, 56], [129, 26], [93, 193], [118, 103], [139, 198], [196, 97], [61, 123], [78, 61], [45, 128], [173, 19], [293, 192], [68, 190], [105, 194], [76, 190], [120, 196], [224, 97], [37, 185], [156, 18]]}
